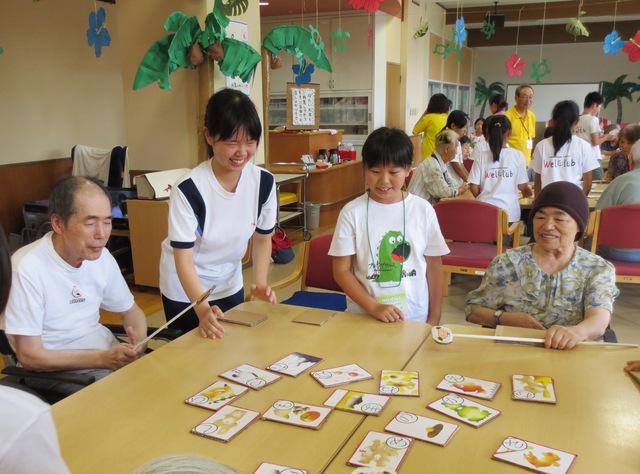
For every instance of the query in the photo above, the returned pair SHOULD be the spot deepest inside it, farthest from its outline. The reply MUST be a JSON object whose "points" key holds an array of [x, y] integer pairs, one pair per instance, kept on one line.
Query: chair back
{"points": [[467, 220], [318, 268], [618, 226]]}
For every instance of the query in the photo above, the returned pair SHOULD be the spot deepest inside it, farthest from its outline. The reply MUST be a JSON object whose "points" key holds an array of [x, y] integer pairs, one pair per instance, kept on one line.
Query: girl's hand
{"points": [[265, 293]]}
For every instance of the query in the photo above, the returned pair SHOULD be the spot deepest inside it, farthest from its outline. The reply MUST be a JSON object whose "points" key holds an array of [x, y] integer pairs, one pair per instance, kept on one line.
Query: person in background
{"points": [[588, 128], [498, 104], [387, 244], [499, 174], [60, 283], [184, 464], [563, 156], [618, 165], [432, 121], [609, 147], [477, 129], [458, 121], [523, 122], [465, 147], [628, 136], [430, 180], [552, 283], [214, 210]]}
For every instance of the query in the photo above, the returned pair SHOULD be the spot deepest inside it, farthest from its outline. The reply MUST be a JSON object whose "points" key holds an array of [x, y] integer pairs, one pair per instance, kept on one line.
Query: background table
{"points": [[137, 413]]}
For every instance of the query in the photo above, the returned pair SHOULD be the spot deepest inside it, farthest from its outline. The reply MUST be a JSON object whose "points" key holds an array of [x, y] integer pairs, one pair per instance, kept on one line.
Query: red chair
{"points": [[618, 226], [474, 231], [467, 164]]}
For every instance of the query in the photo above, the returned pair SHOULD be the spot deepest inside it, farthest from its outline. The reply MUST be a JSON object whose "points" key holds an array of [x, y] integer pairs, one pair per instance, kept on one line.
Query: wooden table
{"points": [[137, 413]]}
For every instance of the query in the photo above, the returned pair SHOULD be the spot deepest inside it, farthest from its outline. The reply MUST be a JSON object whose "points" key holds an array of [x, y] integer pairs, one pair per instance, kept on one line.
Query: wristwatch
{"points": [[496, 317]]}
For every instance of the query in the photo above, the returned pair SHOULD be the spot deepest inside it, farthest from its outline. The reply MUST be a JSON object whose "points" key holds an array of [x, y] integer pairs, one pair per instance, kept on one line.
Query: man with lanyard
{"points": [[523, 122]]}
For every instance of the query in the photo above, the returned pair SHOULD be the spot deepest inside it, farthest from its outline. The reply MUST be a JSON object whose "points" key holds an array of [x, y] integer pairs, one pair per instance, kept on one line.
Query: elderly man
{"points": [[523, 121], [59, 284]]}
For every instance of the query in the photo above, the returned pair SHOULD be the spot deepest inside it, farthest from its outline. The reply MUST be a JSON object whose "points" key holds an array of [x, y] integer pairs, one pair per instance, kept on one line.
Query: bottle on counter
{"points": [[334, 159], [322, 155]]}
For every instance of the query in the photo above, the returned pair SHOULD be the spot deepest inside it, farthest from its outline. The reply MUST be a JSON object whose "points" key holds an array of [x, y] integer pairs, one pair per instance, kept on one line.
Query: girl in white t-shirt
{"points": [[500, 173], [387, 243]]}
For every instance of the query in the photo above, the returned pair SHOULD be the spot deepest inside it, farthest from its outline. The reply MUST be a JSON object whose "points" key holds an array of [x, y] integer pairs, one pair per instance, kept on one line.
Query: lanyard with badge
{"points": [[529, 140]]}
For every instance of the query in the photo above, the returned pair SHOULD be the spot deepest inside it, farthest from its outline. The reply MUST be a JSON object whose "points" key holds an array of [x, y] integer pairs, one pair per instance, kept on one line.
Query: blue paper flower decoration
{"points": [[460, 35], [97, 34], [613, 42], [303, 72]]}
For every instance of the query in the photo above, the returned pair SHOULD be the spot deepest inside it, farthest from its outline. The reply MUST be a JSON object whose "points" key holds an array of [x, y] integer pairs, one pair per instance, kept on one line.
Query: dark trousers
{"points": [[189, 320]]}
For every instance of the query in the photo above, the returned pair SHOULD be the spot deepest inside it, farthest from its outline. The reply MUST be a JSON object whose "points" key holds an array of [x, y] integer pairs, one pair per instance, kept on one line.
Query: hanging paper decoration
{"points": [[371, 6], [340, 39], [422, 29], [234, 7], [295, 40], [488, 28], [632, 47], [97, 34], [514, 65], [316, 42], [613, 43], [575, 26], [303, 72], [1, 50], [460, 33], [540, 70]]}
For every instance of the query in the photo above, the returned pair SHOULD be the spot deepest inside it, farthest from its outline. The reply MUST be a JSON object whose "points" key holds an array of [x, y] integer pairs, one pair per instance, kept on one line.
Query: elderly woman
{"points": [[431, 179], [551, 284]]}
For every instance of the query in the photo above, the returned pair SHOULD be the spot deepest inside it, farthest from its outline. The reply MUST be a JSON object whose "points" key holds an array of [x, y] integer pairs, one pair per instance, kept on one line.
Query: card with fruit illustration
{"points": [[471, 387], [216, 395], [381, 450], [533, 388], [250, 376], [225, 423], [298, 414], [422, 428], [341, 375], [534, 457], [464, 410], [294, 364], [357, 402], [399, 382]]}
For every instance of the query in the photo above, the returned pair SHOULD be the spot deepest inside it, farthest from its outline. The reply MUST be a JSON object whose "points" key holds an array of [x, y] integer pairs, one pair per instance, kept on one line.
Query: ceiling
{"points": [[598, 17]]}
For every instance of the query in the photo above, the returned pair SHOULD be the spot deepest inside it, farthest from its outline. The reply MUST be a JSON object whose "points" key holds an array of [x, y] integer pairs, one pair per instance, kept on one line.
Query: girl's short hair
{"points": [[387, 147], [229, 110]]}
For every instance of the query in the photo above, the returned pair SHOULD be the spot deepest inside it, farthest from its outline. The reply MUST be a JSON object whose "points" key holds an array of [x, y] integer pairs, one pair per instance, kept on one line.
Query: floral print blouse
{"points": [[513, 282]]}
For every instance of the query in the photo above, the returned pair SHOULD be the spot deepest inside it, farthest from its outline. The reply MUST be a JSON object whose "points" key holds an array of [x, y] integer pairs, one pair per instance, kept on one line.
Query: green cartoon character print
{"points": [[393, 251]]}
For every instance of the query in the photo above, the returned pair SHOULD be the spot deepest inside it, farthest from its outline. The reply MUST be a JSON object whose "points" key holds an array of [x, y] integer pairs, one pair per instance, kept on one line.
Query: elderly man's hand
{"points": [[523, 320], [563, 338]]}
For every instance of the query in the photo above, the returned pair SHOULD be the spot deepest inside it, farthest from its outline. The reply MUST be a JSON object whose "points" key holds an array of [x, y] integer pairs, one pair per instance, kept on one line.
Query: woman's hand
{"points": [[387, 313], [563, 338], [265, 293], [209, 326]]}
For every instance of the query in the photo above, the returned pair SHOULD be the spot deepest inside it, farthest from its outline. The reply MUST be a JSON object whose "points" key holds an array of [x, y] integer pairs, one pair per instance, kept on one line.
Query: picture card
{"points": [[216, 395], [250, 376], [298, 414], [422, 428], [464, 410], [268, 468], [534, 457], [341, 375], [471, 387], [357, 402], [226, 423], [244, 318], [315, 317], [533, 388], [380, 450], [399, 382], [294, 364]]}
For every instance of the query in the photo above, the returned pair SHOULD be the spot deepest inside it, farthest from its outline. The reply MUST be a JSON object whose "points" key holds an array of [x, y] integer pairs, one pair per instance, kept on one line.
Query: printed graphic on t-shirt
{"points": [[501, 172], [564, 161], [393, 251]]}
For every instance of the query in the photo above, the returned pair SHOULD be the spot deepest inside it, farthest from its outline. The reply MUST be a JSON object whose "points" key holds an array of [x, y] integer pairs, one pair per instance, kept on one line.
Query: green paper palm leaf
{"points": [[240, 59], [214, 28], [155, 65], [187, 31], [295, 39]]}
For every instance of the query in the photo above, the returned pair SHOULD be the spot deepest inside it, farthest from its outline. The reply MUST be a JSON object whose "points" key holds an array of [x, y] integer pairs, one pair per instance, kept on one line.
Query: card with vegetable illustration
{"points": [[341, 375], [250, 376], [399, 382], [357, 402], [533, 388], [381, 450], [225, 423], [268, 468], [294, 364], [464, 410], [298, 414], [216, 395], [534, 457], [471, 387], [422, 428]]}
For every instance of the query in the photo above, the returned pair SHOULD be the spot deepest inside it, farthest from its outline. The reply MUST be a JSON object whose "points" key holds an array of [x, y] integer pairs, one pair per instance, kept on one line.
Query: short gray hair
{"points": [[184, 464], [635, 153]]}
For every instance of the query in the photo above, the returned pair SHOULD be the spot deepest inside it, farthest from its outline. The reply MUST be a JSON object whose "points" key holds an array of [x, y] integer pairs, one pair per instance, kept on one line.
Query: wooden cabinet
{"points": [[290, 146], [148, 227]]}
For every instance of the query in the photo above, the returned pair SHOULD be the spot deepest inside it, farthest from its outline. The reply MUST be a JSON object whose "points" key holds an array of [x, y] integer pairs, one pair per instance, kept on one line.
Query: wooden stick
{"points": [[541, 341], [203, 297]]}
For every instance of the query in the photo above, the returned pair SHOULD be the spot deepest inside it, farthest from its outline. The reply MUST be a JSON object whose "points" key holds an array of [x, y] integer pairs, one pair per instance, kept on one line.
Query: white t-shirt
{"points": [[456, 180], [28, 438], [588, 124], [499, 180], [61, 303], [378, 262], [572, 160], [217, 224]]}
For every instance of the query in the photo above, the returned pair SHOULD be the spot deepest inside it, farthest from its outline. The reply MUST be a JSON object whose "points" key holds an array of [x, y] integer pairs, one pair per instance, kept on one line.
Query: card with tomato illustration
{"points": [[422, 428], [471, 387], [399, 382], [341, 375], [298, 414], [357, 402], [534, 457], [216, 395]]}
